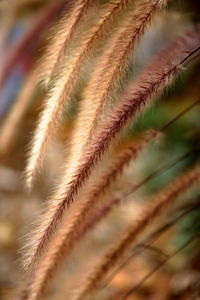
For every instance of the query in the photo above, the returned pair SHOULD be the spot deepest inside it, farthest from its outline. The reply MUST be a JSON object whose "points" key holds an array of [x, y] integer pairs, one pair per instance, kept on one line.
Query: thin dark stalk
{"points": [[159, 170], [155, 269], [151, 248], [182, 113], [190, 57], [154, 236]]}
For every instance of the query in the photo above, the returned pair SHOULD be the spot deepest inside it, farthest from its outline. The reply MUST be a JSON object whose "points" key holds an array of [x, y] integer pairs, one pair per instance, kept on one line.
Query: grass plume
{"points": [[77, 223], [131, 233], [131, 105], [109, 70], [60, 94], [65, 29]]}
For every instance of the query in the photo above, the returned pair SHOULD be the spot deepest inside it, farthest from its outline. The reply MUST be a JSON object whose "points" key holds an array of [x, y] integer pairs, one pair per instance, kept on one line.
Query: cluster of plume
{"points": [[77, 202]]}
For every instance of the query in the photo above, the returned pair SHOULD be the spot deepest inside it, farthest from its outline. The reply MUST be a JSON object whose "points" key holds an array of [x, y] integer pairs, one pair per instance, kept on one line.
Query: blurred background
{"points": [[24, 32]]}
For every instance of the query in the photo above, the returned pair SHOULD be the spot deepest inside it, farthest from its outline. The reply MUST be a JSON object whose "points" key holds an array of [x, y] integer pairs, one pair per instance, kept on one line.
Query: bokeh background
{"points": [[23, 38]]}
